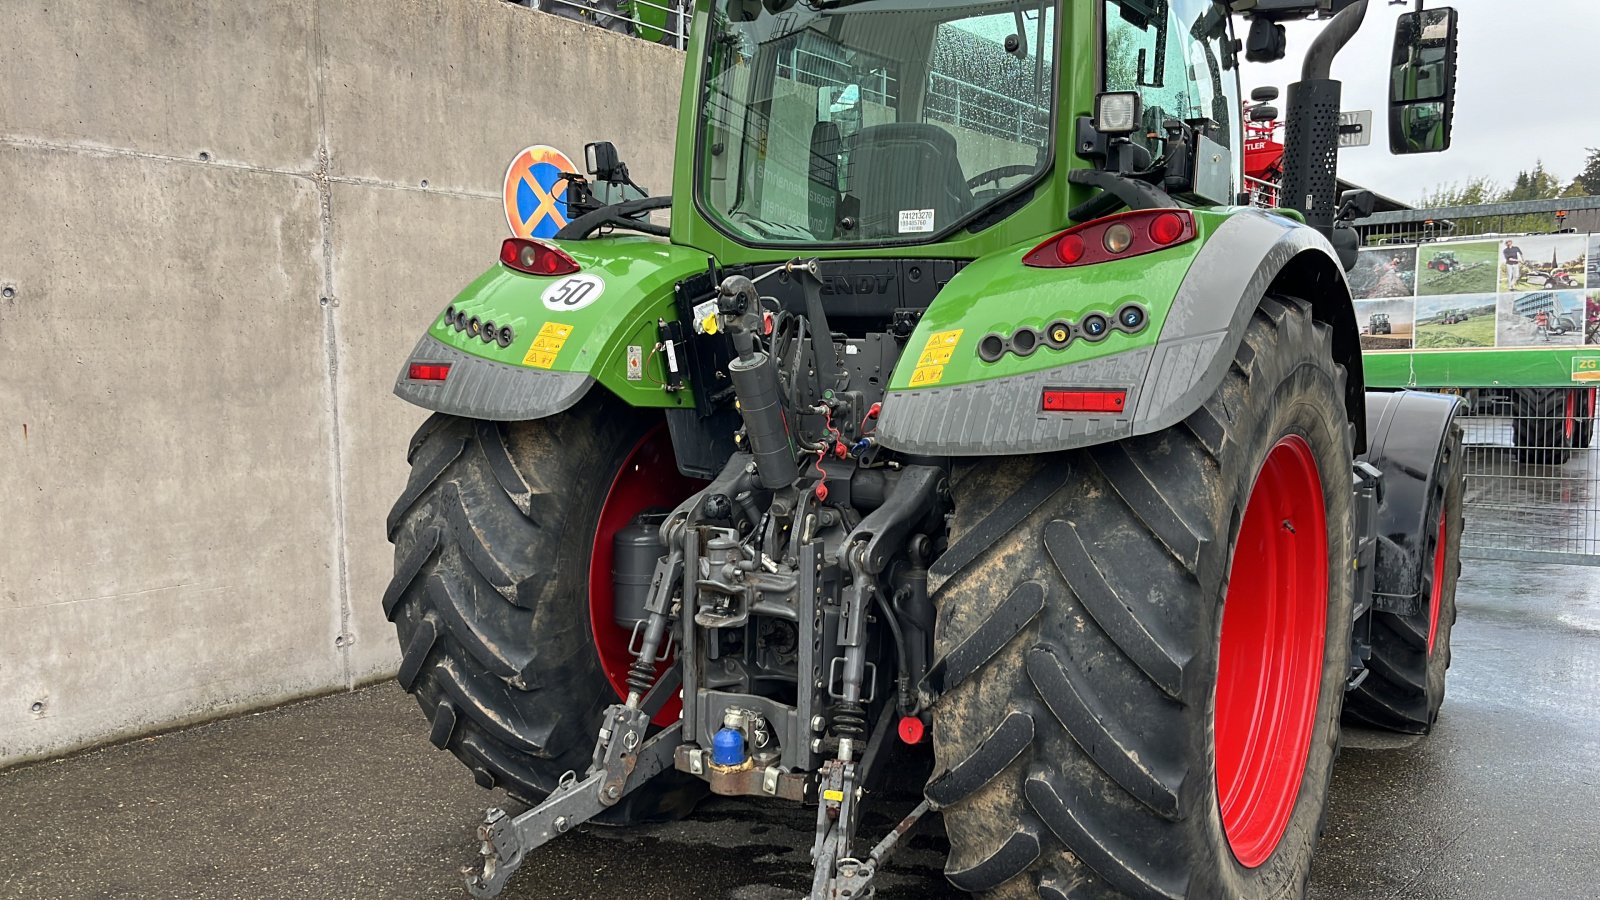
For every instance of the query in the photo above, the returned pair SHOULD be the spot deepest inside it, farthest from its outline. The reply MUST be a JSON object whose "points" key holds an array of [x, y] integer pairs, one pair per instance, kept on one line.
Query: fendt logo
{"points": [[839, 285]]}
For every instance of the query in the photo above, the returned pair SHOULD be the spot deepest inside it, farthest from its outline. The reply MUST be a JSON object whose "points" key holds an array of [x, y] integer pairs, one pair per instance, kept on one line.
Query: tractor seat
{"points": [[906, 167]]}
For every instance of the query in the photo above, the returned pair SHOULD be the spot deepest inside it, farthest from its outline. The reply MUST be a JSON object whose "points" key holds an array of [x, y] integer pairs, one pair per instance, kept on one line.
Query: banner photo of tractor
{"points": [[1386, 324], [1384, 272], [1543, 262], [1465, 268], [1456, 321], [1541, 319]]}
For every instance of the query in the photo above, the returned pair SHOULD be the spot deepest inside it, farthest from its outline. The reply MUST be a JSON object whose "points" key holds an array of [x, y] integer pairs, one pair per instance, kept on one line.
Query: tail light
{"points": [[429, 371], [1114, 237], [536, 257]]}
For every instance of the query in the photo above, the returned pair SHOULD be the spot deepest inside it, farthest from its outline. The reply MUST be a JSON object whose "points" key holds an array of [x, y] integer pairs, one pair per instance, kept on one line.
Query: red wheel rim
{"points": [[1438, 583], [648, 479], [1571, 423], [1269, 664]]}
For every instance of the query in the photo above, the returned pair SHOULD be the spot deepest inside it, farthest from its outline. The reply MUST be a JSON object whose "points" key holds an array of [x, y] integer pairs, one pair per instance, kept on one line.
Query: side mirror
{"points": [[1422, 82], [601, 160], [1355, 205]]}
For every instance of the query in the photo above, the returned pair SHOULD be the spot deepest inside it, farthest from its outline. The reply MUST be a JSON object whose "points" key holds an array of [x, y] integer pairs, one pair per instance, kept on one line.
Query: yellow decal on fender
{"points": [[546, 344], [936, 353]]}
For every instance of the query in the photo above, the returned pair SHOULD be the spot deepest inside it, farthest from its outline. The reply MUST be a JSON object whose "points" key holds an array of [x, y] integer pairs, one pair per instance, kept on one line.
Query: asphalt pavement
{"points": [[343, 797]]}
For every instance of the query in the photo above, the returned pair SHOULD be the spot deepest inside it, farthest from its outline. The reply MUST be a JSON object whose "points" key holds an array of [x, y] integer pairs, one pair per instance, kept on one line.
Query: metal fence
{"points": [[657, 21], [1412, 226], [1533, 479]]}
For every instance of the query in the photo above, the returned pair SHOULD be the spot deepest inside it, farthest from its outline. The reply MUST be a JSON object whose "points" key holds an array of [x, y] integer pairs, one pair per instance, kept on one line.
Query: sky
{"points": [[1524, 92]]}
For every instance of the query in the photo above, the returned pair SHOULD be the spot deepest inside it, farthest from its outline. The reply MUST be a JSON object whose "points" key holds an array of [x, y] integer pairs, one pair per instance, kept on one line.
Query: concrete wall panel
{"points": [[171, 77], [169, 549], [449, 89]]}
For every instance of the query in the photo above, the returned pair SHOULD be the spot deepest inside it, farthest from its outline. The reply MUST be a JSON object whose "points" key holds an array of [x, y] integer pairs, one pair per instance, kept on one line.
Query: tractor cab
{"points": [[884, 124], [843, 125]]}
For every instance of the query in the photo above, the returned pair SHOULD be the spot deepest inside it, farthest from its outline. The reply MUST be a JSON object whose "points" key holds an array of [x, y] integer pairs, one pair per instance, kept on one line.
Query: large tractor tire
{"points": [[1405, 679], [1545, 425], [1145, 645], [1583, 434], [502, 589]]}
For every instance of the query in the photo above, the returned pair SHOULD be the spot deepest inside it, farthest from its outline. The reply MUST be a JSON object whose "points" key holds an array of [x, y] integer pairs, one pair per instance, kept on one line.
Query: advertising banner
{"points": [[1511, 311]]}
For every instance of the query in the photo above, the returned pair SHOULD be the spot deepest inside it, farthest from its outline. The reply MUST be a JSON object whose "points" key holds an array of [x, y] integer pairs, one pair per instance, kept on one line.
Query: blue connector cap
{"points": [[727, 748]]}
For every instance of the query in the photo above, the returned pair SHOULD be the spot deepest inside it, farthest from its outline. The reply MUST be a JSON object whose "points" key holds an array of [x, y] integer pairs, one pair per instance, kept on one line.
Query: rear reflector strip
{"points": [[1085, 401], [429, 371]]}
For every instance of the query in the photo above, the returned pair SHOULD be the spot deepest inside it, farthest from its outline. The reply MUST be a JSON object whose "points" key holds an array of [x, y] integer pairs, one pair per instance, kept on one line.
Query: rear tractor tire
{"points": [[1545, 426], [1145, 644], [501, 593]]}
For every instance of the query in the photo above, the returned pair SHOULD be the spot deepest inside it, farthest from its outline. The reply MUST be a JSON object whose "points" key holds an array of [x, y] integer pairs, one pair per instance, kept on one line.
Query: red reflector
{"points": [[911, 729], [1084, 401], [536, 257], [429, 371], [1166, 228]]}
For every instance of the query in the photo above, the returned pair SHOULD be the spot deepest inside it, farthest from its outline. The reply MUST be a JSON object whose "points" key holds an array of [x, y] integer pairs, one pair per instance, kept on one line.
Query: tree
{"points": [[1536, 184], [1590, 176], [1475, 191]]}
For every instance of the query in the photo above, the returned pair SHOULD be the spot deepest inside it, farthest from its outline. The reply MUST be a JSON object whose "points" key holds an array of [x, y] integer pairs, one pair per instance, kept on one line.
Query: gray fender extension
{"points": [[481, 388], [1165, 383], [1406, 431]]}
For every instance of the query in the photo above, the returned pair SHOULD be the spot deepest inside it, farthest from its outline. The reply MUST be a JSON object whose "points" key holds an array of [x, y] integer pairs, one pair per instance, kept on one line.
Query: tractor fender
{"points": [[556, 351], [1406, 433], [1203, 322]]}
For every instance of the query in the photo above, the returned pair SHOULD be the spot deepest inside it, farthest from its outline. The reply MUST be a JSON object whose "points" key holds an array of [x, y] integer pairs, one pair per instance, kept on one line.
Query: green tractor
{"points": [[1444, 261], [1378, 323], [958, 414]]}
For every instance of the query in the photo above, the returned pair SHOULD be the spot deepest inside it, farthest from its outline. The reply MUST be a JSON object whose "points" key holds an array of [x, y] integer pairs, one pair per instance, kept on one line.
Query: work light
{"points": [[1116, 112]]}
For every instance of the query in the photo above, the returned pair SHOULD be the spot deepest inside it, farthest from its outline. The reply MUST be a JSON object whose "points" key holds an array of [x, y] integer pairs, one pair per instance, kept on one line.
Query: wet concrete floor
{"points": [[343, 797]]}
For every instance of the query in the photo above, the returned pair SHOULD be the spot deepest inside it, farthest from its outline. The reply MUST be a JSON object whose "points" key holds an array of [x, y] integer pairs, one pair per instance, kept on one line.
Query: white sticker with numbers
{"points": [[916, 221], [573, 292]]}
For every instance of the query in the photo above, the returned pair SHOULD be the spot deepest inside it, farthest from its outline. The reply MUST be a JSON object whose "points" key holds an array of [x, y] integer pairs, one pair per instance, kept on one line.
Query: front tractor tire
{"points": [[1145, 644], [501, 592], [1404, 687]]}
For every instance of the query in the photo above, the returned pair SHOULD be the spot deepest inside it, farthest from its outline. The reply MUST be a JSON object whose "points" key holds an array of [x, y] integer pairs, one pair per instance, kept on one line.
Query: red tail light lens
{"points": [[1114, 237], [429, 371], [536, 257], [1167, 228], [1057, 400]]}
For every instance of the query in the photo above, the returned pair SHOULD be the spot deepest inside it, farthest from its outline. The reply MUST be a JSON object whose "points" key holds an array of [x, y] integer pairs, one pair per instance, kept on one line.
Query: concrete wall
{"points": [[222, 226]]}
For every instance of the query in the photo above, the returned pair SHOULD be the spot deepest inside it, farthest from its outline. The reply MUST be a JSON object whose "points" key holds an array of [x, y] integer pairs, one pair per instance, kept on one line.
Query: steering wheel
{"points": [[996, 175]]}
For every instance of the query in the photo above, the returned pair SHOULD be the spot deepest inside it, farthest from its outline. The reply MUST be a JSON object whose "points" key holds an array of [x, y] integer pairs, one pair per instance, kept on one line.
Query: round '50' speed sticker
{"points": [[573, 292]]}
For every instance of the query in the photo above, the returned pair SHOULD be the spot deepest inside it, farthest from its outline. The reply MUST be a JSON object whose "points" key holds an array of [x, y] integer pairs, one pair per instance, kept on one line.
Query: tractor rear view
{"points": [[949, 415]]}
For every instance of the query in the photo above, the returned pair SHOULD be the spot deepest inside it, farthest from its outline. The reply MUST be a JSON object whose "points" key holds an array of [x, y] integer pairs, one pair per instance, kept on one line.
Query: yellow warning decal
{"points": [[936, 354], [835, 796], [546, 344]]}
